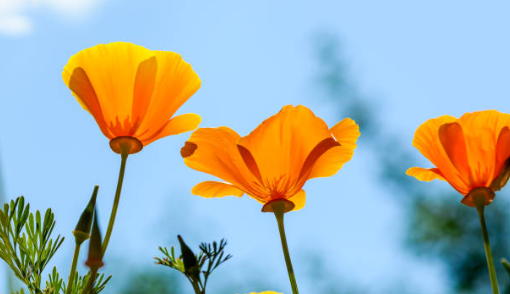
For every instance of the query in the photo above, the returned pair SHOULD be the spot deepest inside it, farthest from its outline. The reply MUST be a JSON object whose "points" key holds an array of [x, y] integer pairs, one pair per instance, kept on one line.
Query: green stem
{"points": [[90, 283], [488, 252], [124, 156], [279, 219], [196, 286], [73, 268]]}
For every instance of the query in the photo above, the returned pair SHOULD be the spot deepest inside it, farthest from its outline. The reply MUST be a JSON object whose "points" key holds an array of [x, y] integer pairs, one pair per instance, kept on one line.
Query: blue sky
{"points": [[417, 61]]}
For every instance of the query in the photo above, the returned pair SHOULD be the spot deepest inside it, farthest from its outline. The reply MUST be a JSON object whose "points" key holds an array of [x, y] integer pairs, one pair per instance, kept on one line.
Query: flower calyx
{"points": [[126, 145], [479, 197]]}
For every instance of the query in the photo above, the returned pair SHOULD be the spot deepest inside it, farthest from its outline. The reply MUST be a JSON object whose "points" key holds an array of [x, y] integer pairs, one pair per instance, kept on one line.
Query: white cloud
{"points": [[14, 19], [15, 25]]}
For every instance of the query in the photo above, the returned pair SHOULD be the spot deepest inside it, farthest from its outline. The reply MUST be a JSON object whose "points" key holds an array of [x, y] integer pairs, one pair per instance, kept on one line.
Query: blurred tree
{"points": [[152, 281], [439, 226]]}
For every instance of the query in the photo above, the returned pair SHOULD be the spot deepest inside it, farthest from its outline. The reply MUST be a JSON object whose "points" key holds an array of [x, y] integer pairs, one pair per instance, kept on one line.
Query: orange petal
{"points": [[82, 89], [426, 140], [210, 189], [112, 72], [214, 151], [177, 125], [425, 174], [299, 200], [143, 89], [281, 145], [454, 144], [502, 148], [175, 83], [346, 132]]}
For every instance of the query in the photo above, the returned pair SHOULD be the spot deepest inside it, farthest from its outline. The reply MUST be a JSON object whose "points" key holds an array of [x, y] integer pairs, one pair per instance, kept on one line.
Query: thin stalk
{"points": [[196, 286], [279, 219], [488, 252], [124, 156], [73, 268], [90, 283]]}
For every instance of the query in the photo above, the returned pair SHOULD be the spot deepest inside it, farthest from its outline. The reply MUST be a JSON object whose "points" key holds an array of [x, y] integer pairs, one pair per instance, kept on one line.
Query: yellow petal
{"points": [[212, 189], [425, 174], [177, 125], [346, 132]]}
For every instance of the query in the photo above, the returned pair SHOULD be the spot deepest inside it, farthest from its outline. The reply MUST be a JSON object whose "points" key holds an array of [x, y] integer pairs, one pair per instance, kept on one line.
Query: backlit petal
{"points": [[112, 72], [452, 139], [426, 140], [502, 148], [425, 174], [214, 151], [175, 83], [299, 200], [177, 125], [82, 89], [212, 189], [282, 143], [346, 132]]}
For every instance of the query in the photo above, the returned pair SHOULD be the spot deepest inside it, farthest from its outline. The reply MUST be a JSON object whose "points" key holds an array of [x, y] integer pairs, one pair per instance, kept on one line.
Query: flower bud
{"points": [[189, 258], [95, 258], [82, 230]]}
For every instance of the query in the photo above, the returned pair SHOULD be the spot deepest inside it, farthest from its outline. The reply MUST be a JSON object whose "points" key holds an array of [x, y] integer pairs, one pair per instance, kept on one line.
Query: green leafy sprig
{"points": [[196, 267], [26, 244]]}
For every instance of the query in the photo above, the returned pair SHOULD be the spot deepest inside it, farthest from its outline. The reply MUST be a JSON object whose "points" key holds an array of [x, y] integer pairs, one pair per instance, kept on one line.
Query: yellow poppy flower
{"points": [[275, 160], [471, 153], [133, 92]]}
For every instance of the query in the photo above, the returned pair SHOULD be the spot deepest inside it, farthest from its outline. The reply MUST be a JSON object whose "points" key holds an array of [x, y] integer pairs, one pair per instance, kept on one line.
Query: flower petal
{"points": [[425, 174], [177, 125], [454, 144], [299, 200], [210, 189], [82, 89], [142, 92], [281, 145], [112, 72], [502, 148], [482, 130], [426, 140], [214, 151], [346, 132], [175, 83]]}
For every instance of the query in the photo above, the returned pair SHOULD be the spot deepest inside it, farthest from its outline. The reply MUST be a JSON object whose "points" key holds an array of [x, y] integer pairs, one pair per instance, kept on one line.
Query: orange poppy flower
{"points": [[275, 160], [471, 153], [133, 92]]}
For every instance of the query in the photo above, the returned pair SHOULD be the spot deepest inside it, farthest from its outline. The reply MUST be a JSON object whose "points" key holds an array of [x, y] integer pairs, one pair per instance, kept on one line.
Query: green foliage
{"points": [[25, 242], [79, 283], [197, 268], [27, 247]]}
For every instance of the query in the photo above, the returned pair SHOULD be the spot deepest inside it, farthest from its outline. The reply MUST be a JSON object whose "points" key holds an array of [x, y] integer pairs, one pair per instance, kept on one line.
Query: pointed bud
{"points": [[82, 230], [189, 258], [95, 259]]}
